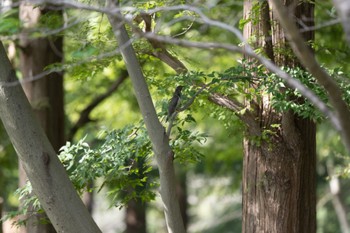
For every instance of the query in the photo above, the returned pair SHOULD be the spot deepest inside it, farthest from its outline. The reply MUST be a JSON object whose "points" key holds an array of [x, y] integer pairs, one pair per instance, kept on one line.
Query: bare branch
{"points": [[226, 102], [343, 8], [64, 67], [328, 23], [43, 32]]}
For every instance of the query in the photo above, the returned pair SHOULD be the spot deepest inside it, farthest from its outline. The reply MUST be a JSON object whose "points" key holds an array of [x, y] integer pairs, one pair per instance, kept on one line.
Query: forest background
{"points": [[101, 115]]}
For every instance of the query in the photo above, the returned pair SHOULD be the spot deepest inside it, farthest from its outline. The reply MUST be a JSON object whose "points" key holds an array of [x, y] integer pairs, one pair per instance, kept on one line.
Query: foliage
{"points": [[9, 22], [122, 160], [251, 81], [8, 166]]}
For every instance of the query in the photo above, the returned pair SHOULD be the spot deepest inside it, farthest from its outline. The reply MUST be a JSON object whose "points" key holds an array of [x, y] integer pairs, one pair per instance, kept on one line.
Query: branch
{"points": [[343, 8], [63, 68], [85, 113], [307, 58], [335, 190], [160, 141], [226, 102]]}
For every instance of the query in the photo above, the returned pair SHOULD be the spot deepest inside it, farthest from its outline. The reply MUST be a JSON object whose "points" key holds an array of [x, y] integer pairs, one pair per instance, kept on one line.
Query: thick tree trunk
{"points": [[45, 94], [279, 173], [47, 175]]}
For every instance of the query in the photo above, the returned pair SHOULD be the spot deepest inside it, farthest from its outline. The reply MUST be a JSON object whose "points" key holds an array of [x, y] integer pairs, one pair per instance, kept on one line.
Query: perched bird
{"points": [[174, 102]]}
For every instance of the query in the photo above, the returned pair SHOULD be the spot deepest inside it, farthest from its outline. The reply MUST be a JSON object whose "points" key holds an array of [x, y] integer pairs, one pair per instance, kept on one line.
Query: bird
{"points": [[174, 102]]}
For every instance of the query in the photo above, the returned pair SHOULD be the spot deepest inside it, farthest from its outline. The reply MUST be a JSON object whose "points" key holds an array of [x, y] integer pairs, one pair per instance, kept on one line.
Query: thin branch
{"points": [[343, 8], [85, 113], [226, 102], [328, 23], [43, 33], [64, 67]]}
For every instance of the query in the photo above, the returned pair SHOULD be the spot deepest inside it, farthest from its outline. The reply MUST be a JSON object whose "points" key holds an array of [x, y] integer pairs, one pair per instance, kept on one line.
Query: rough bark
{"points": [[278, 173], [48, 177], [45, 94], [160, 141]]}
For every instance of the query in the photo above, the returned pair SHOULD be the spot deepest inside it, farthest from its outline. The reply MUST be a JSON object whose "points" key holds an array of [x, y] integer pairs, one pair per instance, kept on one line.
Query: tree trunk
{"points": [[45, 94], [181, 191], [158, 137], [279, 186], [47, 175], [135, 217]]}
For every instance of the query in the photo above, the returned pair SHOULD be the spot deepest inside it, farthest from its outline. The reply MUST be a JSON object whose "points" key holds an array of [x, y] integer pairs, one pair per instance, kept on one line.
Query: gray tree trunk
{"points": [[159, 139], [47, 175]]}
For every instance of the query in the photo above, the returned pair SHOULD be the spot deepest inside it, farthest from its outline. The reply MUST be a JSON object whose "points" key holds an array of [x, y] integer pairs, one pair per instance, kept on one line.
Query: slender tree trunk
{"points": [[278, 173], [45, 94], [159, 139]]}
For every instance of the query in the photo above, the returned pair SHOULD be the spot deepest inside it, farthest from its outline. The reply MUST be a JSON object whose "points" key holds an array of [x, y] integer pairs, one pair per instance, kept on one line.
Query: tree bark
{"points": [[159, 139], [48, 177], [45, 95], [135, 217], [278, 173]]}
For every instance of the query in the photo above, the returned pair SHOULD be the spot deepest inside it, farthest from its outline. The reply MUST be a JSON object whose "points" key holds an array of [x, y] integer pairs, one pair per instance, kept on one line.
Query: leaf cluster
{"points": [[184, 145], [9, 23], [122, 161]]}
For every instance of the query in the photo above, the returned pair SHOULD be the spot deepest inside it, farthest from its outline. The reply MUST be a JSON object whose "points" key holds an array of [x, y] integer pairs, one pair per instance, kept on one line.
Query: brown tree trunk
{"points": [[135, 217], [44, 94], [279, 173]]}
